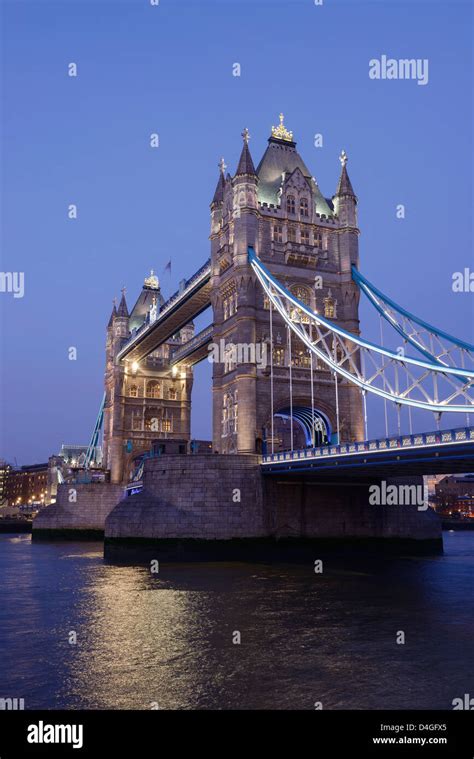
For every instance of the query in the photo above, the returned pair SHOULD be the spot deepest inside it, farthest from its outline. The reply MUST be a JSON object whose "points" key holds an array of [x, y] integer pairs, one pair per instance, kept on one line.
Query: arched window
{"points": [[291, 204], [304, 207], [153, 389], [136, 420], [329, 306], [301, 293], [278, 356], [278, 233], [133, 392], [229, 414], [152, 421], [230, 304], [301, 358]]}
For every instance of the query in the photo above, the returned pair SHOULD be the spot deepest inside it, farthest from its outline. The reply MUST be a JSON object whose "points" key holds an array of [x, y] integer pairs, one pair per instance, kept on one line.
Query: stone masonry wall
{"points": [[341, 510], [93, 504], [197, 497], [193, 497]]}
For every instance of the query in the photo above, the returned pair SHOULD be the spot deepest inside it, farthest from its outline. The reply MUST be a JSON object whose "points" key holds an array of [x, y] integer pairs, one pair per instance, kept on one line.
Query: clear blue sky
{"points": [[168, 69]]}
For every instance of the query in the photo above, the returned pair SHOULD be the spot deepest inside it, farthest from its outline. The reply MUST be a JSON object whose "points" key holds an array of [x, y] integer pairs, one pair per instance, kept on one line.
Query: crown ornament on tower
{"points": [[152, 281], [281, 132]]}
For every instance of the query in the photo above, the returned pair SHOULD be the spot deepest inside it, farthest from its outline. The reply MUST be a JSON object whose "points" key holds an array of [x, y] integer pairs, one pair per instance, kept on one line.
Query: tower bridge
{"points": [[283, 274]]}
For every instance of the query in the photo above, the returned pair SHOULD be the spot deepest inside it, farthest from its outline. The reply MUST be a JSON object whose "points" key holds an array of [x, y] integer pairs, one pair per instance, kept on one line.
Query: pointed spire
{"points": [[219, 193], [113, 314], [122, 309], [245, 163], [344, 186]]}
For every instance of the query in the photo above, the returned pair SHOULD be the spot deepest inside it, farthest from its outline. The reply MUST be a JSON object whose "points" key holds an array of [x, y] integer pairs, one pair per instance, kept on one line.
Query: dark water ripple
{"points": [[167, 638]]}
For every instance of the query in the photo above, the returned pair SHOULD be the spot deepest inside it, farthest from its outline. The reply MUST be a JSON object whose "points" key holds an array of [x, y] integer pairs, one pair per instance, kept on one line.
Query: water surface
{"points": [[167, 639]]}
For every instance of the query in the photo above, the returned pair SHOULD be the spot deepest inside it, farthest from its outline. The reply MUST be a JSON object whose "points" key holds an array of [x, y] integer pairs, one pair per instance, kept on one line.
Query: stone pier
{"points": [[221, 506], [79, 512]]}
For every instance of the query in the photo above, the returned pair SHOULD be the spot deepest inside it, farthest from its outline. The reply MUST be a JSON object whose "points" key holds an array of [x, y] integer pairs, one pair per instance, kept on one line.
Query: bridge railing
{"points": [[191, 345], [415, 440]]}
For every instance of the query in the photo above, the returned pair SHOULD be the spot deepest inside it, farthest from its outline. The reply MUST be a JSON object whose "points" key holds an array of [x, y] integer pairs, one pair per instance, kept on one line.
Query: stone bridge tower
{"points": [[147, 405], [309, 243]]}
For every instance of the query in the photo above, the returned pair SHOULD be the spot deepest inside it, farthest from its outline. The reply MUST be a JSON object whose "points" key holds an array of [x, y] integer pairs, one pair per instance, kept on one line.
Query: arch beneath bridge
{"points": [[314, 423], [305, 435]]}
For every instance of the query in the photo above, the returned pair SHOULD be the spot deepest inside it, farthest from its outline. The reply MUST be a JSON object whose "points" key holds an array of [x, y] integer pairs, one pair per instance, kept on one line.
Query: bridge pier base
{"points": [[209, 506], [342, 510]]}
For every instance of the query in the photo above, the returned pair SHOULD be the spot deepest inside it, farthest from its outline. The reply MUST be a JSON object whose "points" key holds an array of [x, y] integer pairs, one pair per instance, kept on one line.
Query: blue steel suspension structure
{"points": [[94, 441], [434, 383]]}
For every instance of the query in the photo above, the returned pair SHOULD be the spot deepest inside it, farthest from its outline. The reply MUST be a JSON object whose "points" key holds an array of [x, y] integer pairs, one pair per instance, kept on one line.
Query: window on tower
{"points": [[133, 392], [278, 233], [136, 420], [329, 306], [301, 358], [151, 422], [172, 394], [229, 414], [291, 234], [304, 207], [153, 390], [302, 294], [278, 356], [305, 236], [230, 305], [291, 204]]}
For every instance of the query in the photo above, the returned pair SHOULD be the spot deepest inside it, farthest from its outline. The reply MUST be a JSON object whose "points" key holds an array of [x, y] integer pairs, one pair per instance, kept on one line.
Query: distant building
{"points": [[28, 486], [455, 493], [4, 470]]}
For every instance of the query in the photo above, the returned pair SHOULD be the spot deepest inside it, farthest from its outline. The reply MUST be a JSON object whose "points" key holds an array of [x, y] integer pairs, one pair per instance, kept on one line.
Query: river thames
{"points": [[166, 640]]}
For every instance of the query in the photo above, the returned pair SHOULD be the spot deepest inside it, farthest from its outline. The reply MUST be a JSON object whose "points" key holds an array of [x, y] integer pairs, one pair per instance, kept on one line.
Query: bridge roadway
{"points": [[195, 350], [187, 303], [440, 452]]}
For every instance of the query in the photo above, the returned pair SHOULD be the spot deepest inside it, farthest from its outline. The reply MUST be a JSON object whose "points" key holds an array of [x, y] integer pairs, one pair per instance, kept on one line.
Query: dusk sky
{"points": [[169, 70]]}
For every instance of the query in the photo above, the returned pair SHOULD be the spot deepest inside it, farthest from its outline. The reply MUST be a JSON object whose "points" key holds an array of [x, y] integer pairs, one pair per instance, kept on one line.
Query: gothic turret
{"points": [[219, 193], [122, 309], [244, 203], [218, 199], [345, 200], [245, 162], [112, 315], [245, 180]]}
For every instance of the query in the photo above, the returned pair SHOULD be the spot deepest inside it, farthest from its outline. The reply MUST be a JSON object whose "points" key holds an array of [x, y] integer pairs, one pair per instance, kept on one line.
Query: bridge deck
{"points": [[445, 451], [179, 310], [195, 350]]}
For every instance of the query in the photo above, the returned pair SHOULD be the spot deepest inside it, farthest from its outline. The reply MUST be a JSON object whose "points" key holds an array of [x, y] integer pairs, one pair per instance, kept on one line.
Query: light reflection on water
{"points": [[167, 638]]}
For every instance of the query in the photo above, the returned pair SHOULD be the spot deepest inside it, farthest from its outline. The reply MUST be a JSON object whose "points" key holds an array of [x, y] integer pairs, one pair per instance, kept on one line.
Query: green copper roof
{"points": [[279, 161]]}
